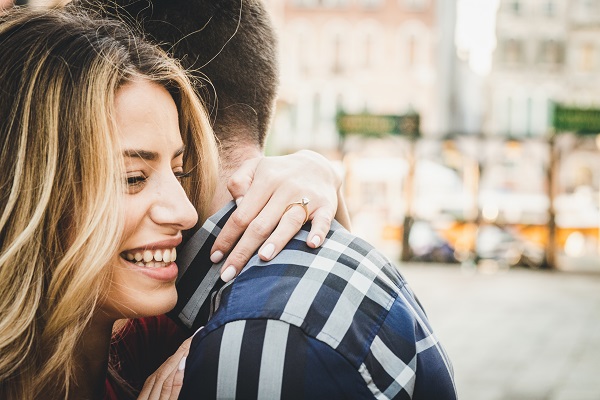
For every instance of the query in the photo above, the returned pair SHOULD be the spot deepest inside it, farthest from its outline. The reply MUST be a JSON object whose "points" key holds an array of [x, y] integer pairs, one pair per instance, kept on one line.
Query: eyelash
{"points": [[134, 181], [183, 175]]}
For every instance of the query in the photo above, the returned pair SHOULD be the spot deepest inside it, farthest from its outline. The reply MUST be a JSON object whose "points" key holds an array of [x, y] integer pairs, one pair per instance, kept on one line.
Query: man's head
{"points": [[229, 42]]}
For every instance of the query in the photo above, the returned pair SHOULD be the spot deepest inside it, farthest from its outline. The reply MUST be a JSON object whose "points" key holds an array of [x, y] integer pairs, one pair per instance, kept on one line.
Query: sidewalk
{"points": [[517, 334]]}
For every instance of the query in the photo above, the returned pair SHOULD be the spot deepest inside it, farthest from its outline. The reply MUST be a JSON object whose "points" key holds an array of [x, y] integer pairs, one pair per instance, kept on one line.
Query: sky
{"points": [[475, 33]]}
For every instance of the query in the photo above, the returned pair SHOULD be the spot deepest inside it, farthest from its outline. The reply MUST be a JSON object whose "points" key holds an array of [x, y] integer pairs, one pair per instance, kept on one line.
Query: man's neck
{"points": [[231, 160]]}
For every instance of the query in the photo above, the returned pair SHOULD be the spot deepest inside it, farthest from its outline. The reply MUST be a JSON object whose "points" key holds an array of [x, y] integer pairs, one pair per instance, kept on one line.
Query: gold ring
{"points": [[302, 203]]}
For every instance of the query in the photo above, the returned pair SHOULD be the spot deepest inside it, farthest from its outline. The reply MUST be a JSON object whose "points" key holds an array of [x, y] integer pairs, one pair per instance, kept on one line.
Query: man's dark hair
{"points": [[230, 42]]}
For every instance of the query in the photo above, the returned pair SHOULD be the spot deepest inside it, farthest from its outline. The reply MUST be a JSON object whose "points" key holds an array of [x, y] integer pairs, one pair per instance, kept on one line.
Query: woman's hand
{"points": [[166, 381], [263, 189]]}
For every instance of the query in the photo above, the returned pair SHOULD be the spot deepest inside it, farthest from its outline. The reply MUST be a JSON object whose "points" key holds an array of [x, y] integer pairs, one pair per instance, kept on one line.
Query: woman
{"points": [[102, 142]]}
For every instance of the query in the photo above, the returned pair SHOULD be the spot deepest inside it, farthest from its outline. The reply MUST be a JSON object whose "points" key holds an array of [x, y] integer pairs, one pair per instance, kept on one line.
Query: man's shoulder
{"points": [[340, 293], [340, 249], [342, 263], [345, 295]]}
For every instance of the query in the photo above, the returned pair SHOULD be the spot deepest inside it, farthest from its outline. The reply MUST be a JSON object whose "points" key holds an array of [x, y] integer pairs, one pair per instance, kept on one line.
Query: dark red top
{"points": [[141, 347]]}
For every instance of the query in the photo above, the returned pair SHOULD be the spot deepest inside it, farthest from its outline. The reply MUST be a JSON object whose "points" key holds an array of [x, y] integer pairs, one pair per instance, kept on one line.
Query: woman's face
{"points": [[157, 209]]}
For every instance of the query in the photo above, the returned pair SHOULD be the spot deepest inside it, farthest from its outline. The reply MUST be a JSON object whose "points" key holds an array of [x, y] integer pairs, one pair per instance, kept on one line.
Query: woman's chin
{"points": [[156, 303], [138, 291], [141, 304]]}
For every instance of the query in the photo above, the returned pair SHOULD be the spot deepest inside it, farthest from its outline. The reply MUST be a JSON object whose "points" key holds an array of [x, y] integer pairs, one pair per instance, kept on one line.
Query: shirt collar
{"points": [[204, 238], [198, 276]]}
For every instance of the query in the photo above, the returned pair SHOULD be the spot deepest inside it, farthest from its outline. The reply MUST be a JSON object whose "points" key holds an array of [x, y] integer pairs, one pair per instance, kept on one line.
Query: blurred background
{"points": [[466, 129], [468, 135]]}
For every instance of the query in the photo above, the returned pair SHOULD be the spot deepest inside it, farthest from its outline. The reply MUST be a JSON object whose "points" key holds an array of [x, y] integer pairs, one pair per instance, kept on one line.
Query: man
{"points": [[336, 321]]}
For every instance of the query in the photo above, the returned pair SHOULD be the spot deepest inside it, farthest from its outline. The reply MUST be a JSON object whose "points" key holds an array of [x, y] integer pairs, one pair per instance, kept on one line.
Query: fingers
{"points": [[270, 231], [241, 180], [167, 381], [257, 231], [176, 379], [148, 385], [321, 223], [289, 225], [257, 195], [275, 238], [266, 186], [245, 220]]}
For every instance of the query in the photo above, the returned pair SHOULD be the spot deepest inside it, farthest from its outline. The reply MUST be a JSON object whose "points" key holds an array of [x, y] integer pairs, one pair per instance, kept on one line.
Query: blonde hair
{"points": [[61, 184]]}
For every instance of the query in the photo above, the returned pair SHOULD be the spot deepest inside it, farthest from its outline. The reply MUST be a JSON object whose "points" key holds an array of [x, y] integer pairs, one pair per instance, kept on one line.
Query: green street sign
{"points": [[574, 119], [378, 125]]}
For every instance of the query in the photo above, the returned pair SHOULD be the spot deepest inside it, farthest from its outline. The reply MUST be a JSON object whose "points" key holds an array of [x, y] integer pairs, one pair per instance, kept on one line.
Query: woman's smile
{"points": [[154, 255], [151, 258]]}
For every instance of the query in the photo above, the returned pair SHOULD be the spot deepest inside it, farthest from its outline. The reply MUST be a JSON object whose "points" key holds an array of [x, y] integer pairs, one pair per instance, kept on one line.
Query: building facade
{"points": [[548, 51], [373, 56]]}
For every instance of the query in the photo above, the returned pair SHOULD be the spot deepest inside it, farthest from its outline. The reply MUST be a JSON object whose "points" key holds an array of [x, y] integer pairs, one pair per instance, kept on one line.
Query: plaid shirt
{"points": [[328, 323]]}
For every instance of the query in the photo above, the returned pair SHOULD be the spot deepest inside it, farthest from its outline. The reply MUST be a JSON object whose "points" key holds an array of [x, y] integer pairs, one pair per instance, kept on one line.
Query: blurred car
{"points": [[428, 246], [508, 249]]}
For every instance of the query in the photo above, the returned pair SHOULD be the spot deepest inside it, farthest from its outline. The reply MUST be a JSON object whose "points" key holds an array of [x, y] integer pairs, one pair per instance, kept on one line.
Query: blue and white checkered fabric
{"points": [[334, 322]]}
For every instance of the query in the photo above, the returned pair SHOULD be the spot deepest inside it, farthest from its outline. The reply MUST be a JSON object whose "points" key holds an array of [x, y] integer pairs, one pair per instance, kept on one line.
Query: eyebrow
{"points": [[149, 155]]}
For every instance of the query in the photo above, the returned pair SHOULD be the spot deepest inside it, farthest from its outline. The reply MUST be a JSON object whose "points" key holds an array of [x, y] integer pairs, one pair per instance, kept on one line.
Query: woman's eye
{"points": [[182, 175], [135, 180]]}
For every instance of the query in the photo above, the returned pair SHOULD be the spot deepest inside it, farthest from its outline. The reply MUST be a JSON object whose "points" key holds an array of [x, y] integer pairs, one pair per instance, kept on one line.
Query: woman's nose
{"points": [[173, 206]]}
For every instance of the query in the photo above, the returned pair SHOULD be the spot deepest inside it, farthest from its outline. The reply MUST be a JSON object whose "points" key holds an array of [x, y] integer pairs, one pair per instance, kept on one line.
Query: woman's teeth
{"points": [[151, 258]]}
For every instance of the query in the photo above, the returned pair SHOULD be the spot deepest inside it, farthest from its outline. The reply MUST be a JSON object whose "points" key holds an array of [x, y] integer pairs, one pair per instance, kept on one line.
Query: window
{"points": [[303, 54], [508, 115], [411, 46], [300, 52], [587, 57], [316, 111], [549, 9], [528, 115], [584, 176], [585, 10], [369, 51], [337, 64], [589, 6], [515, 7], [366, 49], [513, 51], [551, 52]]}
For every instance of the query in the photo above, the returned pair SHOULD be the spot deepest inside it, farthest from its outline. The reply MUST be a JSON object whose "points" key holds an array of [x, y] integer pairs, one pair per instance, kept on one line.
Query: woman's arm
{"points": [[263, 188]]}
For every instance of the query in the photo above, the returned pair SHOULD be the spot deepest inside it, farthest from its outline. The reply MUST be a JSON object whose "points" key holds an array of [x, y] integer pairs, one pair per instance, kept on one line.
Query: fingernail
{"points": [[238, 200], [216, 257], [267, 251], [181, 366], [316, 241], [228, 274]]}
